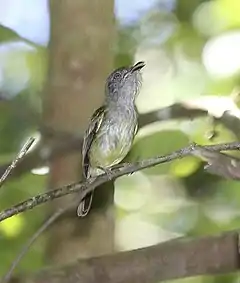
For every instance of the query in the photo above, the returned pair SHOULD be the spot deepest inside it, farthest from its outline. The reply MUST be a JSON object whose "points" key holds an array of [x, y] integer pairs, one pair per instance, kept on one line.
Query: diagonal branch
{"points": [[16, 160], [34, 237], [219, 163], [174, 111], [94, 182], [38, 157], [65, 143], [179, 258]]}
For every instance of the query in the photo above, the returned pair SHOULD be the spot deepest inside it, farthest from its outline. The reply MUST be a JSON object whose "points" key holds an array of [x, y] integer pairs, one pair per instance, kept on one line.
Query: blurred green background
{"points": [[191, 49]]}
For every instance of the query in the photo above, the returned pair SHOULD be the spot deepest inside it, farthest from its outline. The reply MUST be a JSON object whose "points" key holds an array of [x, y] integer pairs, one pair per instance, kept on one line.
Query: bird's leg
{"points": [[121, 165], [106, 171]]}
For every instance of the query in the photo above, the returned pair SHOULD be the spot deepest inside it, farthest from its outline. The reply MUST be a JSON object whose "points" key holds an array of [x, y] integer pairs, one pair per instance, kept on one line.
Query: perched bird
{"points": [[112, 128]]}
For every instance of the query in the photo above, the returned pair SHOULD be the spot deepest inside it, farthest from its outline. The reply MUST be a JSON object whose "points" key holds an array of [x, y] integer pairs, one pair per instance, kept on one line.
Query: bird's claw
{"points": [[107, 172], [121, 165]]}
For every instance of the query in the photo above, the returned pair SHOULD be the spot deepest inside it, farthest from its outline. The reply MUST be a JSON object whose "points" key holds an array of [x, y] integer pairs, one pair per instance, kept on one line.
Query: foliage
{"points": [[178, 198]]}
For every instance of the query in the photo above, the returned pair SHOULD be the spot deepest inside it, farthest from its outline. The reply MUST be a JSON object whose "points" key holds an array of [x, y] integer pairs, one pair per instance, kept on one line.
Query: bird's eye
{"points": [[117, 76]]}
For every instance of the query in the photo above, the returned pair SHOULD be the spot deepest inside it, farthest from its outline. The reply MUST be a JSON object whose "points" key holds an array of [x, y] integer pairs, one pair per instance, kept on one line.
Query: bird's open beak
{"points": [[137, 66]]}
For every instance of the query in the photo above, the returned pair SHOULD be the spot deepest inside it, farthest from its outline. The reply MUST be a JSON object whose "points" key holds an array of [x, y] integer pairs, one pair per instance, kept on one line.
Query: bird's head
{"points": [[124, 83]]}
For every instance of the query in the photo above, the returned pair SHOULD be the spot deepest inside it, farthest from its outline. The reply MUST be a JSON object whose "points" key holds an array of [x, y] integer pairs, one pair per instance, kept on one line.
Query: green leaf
{"points": [[15, 123], [185, 167], [7, 34], [160, 143]]}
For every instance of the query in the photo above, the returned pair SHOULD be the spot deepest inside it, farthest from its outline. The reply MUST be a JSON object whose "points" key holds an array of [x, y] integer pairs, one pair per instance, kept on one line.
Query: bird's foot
{"points": [[107, 172], [121, 165]]}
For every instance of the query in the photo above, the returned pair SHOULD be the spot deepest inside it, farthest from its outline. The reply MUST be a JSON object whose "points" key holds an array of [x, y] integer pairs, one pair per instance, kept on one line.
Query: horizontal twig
{"points": [[92, 183], [65, 143], [172, 112]]}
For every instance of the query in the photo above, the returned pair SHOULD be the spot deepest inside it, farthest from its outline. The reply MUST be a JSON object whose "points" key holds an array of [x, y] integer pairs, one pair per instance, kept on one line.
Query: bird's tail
{"points": [[85, 205]]}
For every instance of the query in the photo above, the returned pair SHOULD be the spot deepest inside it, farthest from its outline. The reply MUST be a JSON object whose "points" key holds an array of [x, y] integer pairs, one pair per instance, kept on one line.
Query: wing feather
{"points": [[96, 121], [90, 133], [136, 127]]}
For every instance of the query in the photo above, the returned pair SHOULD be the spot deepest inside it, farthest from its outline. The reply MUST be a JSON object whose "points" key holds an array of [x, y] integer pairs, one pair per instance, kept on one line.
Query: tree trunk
{"points": [[80, 58]]}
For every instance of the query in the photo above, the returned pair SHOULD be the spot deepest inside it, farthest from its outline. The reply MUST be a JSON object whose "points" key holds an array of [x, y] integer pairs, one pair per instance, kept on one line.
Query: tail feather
{"points": [[85, 205]]}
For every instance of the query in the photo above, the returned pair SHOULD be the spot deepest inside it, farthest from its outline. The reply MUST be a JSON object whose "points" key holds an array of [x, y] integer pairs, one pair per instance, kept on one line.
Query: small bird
{"points": [[112, 128]]}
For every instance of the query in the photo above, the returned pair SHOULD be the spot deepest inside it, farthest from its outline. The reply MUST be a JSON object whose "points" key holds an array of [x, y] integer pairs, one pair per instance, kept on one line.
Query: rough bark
{"points": [[179, 258], [80, 58]]}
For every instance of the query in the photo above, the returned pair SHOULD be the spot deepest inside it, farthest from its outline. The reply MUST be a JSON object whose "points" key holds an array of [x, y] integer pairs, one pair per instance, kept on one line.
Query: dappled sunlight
{"points": [[41, 170], [221, 55], [185, 167], [14, 69], [222, 213], [191, 51], [215, 105], [140, 232], [13, 226], [18, 71], [132, 192]]}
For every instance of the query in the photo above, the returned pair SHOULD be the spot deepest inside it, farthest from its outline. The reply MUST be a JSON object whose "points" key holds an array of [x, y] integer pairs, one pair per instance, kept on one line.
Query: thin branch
{"points": [[219, 163], [36, 158], [231, 122], [178, 258], [94, 182], [17, 159], [174, 111], [64, 142], [29, 243]]}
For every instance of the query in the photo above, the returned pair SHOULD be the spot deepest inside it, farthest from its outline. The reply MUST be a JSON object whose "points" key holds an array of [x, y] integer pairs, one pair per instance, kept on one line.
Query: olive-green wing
{"points": [[95, 123], [90, 133]]}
